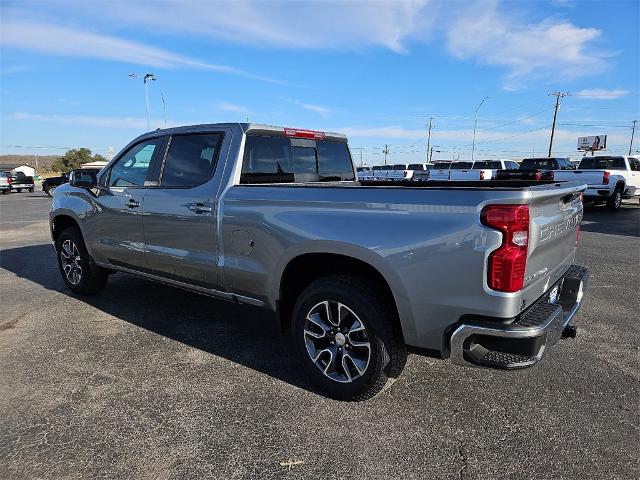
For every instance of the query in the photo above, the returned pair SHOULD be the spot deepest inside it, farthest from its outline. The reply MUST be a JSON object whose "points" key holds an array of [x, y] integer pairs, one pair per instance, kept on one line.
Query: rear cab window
{"points": [[539, 164], [602, 163], [487, 165], [275, 159], [461, 165]]}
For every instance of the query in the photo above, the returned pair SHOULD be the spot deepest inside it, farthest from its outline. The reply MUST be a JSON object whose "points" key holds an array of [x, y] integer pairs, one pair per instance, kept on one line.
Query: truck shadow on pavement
{"points": [[245, 335], [599, 219]]}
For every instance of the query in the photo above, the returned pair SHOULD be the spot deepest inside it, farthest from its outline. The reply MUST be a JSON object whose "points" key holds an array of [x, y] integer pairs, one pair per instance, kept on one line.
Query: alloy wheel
{"points": [[70, 259], [337, 341]]}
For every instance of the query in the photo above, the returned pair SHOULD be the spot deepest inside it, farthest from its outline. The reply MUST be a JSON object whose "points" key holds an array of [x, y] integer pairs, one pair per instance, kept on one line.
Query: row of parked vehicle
{"points": [[610, 178]]}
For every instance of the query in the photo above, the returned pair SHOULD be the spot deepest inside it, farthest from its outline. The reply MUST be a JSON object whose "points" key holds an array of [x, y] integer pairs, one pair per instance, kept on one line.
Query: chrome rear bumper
{"points": [[524, 341]]}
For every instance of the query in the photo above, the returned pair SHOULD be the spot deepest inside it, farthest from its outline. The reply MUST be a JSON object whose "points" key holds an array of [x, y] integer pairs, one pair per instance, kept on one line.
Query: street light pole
{"points": [[146, 78], [475, 121]]}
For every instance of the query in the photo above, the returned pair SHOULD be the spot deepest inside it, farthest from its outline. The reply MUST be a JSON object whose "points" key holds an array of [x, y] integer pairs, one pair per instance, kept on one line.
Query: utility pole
{"points": [[386, 152], [558, 96], [475, 120], [429, 138], [633, 131]]}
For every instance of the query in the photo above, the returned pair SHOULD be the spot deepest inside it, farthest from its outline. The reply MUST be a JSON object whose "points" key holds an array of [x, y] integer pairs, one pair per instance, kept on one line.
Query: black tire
{"points": [[19, 190], [4, 192], [91, 278], [365, 302], [615, 201], [31, 190]]}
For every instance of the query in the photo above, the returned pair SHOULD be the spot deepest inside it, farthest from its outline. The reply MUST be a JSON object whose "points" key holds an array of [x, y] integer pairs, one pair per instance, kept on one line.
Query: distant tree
{"points": [[74, 158]]}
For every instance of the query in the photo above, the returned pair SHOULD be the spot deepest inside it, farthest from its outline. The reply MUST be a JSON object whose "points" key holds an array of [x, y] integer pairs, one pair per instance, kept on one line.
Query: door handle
{"points": [[199, 208], [132, 203]]}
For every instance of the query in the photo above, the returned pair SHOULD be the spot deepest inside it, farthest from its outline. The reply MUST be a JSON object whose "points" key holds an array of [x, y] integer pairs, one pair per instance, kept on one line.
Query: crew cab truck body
{"points": [[609, 179], [358, 273]]}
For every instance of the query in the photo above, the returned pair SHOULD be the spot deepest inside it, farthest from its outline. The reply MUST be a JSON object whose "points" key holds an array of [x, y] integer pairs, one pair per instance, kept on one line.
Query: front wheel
{"points": [[31, 190], [615, 201], [347, 336], [19, 190], [77, 268]]}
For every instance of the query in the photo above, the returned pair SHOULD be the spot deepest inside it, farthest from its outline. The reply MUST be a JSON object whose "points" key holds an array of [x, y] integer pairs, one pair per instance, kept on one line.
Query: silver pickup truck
{"points": [[360, 274]]}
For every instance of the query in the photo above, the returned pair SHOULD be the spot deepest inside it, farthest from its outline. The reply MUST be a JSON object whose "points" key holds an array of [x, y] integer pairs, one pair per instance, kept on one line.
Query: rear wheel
{"points": [[77, 268], [615, 201], [31, 190], [19, 190], [49, 191], [347, 337]]}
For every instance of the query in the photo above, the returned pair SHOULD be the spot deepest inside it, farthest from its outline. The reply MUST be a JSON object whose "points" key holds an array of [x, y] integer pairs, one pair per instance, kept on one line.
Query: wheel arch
{"points": [[300, 270], [60, 222]]}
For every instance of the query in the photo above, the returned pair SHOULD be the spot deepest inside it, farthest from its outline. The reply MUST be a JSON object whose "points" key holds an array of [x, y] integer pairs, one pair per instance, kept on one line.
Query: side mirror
{"points": [[83, 179]]}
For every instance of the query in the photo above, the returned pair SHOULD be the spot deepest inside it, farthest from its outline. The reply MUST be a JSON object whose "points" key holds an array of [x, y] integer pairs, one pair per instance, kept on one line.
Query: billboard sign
{"points": [[591, 144]]}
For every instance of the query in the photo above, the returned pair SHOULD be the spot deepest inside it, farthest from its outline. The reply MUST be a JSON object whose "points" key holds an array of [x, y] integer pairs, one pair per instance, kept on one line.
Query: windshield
{"points": [[461, 165], [602, 163]]}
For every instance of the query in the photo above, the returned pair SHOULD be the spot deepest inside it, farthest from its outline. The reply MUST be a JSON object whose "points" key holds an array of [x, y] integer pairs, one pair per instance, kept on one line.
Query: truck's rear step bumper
{"points": [[523, 342]]}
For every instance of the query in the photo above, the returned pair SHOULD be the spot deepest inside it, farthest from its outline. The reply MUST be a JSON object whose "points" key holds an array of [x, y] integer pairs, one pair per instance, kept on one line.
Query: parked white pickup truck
{"points": [[442, 170], [482, 170], [609, 179]]}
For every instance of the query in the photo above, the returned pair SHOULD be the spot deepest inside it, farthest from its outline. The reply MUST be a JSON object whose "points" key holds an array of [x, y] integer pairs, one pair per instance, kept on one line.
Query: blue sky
{"points": [[373, 70]]}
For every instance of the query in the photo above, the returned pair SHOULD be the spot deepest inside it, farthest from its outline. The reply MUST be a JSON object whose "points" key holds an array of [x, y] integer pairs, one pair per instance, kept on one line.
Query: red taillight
{"points": [[507, 264], [481, 174], [605, 178], [312, 134], [538, 176]]}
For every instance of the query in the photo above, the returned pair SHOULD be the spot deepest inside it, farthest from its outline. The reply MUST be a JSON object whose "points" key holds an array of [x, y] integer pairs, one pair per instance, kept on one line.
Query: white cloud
{"points": [[232, 107], [530, 51], [319, 109], [315, 25], [601, 94], [85, 120], [64, 41], [487, 32]]}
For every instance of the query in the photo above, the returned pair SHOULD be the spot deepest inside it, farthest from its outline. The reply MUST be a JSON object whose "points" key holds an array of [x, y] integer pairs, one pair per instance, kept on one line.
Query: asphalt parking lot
{"points": [[146, 381]]}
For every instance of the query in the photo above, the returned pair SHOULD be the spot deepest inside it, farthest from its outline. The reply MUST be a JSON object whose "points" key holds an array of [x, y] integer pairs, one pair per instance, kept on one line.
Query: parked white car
{"points": [[609, 179]]}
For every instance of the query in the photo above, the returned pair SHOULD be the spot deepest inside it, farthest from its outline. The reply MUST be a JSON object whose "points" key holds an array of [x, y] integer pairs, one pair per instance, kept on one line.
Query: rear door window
{"points": [[282, 160], [191, 159]]}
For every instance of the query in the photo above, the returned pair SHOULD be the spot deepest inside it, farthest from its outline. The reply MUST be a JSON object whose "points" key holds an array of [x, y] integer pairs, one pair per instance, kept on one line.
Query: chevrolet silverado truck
{"points": [[609, 179], [359, 273]]}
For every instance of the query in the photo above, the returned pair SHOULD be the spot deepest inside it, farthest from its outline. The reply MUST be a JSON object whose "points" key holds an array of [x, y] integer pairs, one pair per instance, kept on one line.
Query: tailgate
{"points": [[555, 218], [590, 177], [440, 174]]}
